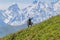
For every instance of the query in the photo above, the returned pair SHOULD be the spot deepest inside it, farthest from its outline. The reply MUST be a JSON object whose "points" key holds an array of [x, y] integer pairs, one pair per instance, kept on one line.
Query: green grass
{"points": [[46, 30]]}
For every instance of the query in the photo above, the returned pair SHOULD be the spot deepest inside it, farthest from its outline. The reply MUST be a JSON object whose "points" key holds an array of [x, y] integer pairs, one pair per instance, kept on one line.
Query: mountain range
{"points": [[14, 17]]}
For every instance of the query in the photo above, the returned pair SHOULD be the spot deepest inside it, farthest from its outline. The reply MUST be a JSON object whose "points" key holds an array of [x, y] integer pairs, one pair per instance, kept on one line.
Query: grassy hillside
{"points": [[46, 30]]}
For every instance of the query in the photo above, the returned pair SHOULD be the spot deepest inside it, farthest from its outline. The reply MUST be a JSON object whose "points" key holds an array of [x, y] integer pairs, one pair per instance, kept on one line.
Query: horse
{"points": [[29, 22]]}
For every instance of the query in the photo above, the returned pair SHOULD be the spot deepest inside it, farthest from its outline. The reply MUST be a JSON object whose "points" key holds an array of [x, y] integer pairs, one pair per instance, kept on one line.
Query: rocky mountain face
{"points": [[39, 11]]}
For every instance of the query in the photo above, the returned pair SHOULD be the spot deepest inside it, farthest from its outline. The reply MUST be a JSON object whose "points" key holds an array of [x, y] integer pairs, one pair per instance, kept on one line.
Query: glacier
{"points": [[13, 18]]}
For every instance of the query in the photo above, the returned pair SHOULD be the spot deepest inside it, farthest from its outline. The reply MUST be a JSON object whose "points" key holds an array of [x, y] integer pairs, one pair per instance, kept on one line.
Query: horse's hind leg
{"points": [[31, 24], [28, 25]]}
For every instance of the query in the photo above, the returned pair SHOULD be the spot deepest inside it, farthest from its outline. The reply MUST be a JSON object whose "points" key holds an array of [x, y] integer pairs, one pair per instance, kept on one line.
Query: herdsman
{"points": [[29, 22]]}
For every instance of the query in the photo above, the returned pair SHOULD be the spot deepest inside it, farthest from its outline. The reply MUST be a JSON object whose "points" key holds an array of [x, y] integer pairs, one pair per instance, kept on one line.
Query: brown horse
{"points": [[29, 22]]}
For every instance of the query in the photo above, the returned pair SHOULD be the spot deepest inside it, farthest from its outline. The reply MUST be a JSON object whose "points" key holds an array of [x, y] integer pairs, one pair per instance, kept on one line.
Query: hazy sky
{"points": [[5, 3], [22, 3]]}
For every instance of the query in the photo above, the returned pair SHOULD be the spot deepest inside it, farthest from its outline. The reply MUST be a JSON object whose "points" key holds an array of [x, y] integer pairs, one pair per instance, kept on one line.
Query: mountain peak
{"points": [[35, 1], [14, 7]]}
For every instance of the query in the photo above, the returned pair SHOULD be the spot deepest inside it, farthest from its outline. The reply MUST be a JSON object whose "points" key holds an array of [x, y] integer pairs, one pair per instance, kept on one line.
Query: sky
{"points": [[5, 3], [15, 1], [22, 3]]}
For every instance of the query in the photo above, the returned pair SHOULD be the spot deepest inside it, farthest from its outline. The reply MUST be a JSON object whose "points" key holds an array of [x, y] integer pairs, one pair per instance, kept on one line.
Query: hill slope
{"points": [[47, 30]]}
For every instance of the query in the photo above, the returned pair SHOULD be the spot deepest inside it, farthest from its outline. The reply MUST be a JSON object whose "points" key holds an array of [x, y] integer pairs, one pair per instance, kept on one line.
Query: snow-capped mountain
{"points": [[13, 18], [11, 14], [39, 11]]}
